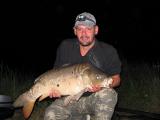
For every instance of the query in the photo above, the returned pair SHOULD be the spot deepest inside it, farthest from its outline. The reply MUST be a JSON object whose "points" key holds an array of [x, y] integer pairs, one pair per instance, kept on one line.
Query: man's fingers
{"points": [[94, 88], [54, 94]]}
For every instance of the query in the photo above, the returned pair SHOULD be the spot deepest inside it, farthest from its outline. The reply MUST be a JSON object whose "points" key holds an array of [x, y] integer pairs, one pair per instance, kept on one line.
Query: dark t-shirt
{"points": [[101, 55]]}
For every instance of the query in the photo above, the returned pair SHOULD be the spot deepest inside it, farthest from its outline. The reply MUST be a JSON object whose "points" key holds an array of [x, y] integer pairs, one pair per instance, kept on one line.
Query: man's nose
{"points": [[83, 31]]}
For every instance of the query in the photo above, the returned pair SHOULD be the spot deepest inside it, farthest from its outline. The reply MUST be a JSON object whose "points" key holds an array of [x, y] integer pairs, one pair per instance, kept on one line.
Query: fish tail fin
{"points": [[27, 109], [25, 102]]}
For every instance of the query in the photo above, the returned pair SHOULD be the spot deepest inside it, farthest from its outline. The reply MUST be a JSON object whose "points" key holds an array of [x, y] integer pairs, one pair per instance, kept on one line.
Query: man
{"points": [[99, 104]]}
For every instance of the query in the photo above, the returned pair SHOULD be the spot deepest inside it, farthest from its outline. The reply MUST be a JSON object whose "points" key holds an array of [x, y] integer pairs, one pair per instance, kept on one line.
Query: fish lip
{"points": [[106, 82]]}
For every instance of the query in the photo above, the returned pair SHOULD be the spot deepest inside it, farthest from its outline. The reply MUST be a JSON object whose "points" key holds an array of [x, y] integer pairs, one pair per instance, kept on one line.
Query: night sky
{"points": [[32, 30]]}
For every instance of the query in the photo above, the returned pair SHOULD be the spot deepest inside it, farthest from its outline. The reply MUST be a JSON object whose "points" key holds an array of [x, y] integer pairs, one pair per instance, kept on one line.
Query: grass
{"points": [[140, 85], [13, 82], [139, 89]]}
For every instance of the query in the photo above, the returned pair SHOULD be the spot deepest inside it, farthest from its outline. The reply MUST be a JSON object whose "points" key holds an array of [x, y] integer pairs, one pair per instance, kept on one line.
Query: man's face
{"points": [[85, 34]]}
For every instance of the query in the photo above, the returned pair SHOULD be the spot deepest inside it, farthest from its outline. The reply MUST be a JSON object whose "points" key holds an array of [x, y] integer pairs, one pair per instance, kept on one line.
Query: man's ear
{"points": [[96, 30], [74, 29]]}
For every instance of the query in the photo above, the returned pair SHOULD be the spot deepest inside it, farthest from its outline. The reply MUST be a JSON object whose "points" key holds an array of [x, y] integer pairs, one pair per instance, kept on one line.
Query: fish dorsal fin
{"points": [[65, 65], [43, 97], [27, 109]]}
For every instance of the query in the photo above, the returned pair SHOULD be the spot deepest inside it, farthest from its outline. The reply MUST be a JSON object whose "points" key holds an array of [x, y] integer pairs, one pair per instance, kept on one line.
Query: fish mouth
{"points": [[107, 82]]}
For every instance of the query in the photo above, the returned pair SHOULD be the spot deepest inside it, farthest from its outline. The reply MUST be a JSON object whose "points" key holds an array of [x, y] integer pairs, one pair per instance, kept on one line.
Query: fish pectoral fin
{"points": [[78, 95], [27, 109], [70, 99], [42, 97]]}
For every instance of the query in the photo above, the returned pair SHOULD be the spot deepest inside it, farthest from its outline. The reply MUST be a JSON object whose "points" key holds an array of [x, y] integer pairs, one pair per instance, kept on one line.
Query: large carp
{"points": [[71, 81]]}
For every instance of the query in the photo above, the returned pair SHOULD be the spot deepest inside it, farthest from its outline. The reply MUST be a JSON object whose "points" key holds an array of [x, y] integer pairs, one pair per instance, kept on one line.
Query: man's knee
{"points": [[49, 114], [107, 96], [55, 112], [106, 100]]}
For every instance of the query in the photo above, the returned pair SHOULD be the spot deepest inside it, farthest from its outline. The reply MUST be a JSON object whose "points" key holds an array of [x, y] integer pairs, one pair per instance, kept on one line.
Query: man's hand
{"points": [[54, 94], [94, 88]]}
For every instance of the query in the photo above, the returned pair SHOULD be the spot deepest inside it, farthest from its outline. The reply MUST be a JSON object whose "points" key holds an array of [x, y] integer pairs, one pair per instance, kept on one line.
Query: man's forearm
{"points": [[116, 81]]}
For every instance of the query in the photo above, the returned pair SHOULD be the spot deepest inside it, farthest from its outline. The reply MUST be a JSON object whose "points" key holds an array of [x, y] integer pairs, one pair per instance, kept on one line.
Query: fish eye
{"points": [[57, 85], [98, 76]]}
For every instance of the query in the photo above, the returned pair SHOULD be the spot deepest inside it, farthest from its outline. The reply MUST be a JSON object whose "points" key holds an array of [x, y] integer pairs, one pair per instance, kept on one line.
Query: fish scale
{"points": [[71, 81]]}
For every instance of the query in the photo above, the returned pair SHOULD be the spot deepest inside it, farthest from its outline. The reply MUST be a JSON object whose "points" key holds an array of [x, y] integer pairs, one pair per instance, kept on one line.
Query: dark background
{"points": [[32, 30]]}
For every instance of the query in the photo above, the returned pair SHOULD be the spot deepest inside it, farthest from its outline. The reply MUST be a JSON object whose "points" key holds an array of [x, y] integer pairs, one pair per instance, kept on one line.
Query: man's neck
{"points": [[84, 49]]}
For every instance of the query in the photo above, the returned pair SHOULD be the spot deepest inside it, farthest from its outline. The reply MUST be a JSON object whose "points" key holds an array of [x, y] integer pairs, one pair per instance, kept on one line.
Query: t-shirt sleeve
{"points": [[113, 64], [57, 61], [60, 55]]}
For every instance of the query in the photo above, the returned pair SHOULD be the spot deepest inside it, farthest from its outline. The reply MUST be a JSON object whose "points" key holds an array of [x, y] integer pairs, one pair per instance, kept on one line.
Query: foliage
{"points": [[140, 85], [139, 88]]}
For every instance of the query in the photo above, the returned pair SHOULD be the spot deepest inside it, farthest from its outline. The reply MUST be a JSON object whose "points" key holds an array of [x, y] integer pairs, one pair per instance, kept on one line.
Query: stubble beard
{"points": [[85, 43]]}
